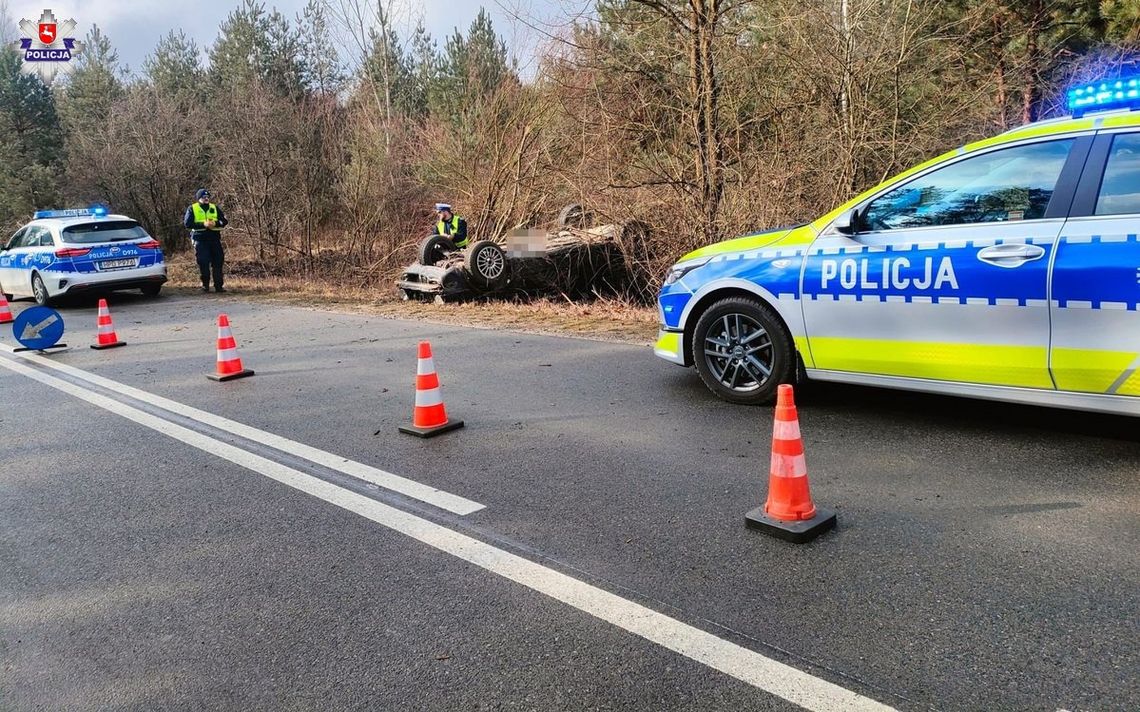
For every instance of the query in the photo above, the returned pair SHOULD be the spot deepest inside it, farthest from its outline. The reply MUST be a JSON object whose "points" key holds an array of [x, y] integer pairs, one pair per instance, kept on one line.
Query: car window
{"points": [[105, 231], [45, 238], [16, 237], [1008, 184], [30, 238], [1120, 187]]}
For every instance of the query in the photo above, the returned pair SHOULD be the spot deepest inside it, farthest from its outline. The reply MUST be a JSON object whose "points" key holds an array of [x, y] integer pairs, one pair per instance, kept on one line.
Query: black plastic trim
{"points": [[1066, 188]]}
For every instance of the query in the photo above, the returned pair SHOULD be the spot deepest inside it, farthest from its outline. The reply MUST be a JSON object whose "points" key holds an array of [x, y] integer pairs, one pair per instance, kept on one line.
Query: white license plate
{"points": [[117, 264]]}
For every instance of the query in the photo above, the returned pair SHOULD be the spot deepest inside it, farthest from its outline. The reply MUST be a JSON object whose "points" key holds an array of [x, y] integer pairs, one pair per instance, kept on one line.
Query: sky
{"points": [[135, 26]]}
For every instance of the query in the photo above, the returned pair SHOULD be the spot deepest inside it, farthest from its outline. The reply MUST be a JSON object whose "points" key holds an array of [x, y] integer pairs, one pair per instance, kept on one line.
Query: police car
{"points": [[1008, 269], [68, 252]]}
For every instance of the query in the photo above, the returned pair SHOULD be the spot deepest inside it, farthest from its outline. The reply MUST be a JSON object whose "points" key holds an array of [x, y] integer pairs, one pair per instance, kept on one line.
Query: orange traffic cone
{"points": [[106, 339], [229, 363], [429, 417], [789, 512], [5, 310]]}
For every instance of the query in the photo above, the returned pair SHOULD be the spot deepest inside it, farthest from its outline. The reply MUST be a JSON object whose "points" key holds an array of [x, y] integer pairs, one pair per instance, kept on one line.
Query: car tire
{"points": [[574, 215], [39, 291], [151, 290], [433, 249], [734, 342], [486, 264]]}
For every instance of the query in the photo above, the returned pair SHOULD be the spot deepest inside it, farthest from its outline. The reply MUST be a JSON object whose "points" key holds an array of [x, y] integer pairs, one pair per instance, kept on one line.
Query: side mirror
{"points": [[848, 222]]}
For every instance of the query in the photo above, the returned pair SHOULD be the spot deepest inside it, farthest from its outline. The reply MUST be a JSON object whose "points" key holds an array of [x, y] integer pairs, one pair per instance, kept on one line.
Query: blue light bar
{"points": [[1111, 94], [96, 211]]}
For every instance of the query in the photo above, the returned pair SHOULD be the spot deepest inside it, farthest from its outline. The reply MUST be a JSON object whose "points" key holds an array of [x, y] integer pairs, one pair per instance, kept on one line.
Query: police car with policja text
{"points": [[1008, 269], [69, 252]]}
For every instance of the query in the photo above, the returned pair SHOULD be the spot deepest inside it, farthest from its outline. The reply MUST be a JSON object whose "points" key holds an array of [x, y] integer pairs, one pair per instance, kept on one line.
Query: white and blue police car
{"points": [[71, 252], [1007, 269]]}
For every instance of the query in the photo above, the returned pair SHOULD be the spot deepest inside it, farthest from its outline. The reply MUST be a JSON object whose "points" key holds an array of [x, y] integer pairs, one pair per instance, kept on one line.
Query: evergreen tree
{"points": [[93, 85], [471, 68], [173, 68], [31, 143], [322, 72], [237, 55]]}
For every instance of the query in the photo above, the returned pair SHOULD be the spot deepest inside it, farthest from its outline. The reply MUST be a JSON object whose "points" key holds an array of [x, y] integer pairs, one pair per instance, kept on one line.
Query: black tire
{"points": [[434, 248], [39, 291], [574, 215], [486, 264], [734, 341], [151, 290]]}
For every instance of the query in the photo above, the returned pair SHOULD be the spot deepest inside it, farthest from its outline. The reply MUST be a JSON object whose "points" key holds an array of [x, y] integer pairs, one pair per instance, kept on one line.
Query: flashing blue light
{"points": [[96, 211], [1111, 94]]}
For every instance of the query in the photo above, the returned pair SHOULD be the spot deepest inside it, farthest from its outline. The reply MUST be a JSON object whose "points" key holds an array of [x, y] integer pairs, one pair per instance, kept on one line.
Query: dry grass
{"points": [[608, 320]]}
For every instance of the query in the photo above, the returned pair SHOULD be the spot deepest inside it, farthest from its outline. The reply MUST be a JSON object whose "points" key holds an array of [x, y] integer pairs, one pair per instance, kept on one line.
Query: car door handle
{"points": [[1011, 255]]}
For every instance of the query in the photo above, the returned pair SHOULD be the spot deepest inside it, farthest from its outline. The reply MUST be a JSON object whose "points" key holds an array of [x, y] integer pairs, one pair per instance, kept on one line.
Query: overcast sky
{"points": [[135, 26]]}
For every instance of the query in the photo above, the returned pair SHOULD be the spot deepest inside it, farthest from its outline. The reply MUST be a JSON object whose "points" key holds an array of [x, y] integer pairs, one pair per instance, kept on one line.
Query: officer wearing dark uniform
{"points": [[204, 220], [451, 225]]}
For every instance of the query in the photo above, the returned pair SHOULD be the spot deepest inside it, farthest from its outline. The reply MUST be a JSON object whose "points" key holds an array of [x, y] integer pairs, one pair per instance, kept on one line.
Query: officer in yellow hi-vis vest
{"points": [[204, 220], [451, 225]]}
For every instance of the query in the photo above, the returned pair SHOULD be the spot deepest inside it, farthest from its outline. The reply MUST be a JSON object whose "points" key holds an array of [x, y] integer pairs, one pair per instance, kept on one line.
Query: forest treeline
{"points": [[327, 136]]}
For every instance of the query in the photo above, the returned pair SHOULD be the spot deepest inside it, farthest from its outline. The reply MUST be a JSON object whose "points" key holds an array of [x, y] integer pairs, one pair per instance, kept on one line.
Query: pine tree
{"points": [[322, 72], [93, 86], [174, 68], [31, 143]]}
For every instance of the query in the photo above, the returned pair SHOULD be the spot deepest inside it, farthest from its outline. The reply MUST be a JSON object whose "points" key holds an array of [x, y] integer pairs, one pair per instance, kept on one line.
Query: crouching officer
{"points": [[451, 225], [204, 220]]}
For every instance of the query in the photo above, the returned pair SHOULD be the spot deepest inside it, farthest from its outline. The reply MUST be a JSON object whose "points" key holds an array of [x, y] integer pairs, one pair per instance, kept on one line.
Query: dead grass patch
{"points": [[609, 320]]}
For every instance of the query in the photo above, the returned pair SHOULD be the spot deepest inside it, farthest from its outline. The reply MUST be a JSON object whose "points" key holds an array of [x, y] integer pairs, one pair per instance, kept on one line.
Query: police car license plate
{"points": [[117, 264]]}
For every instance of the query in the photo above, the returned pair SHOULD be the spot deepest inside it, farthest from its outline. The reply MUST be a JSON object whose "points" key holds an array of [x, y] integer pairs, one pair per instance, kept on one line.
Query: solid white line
{"points": [[409, 488], [748, 666]]}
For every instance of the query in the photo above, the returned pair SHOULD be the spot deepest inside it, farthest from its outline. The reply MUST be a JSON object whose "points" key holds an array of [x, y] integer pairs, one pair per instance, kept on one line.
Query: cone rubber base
{"points": [[796, 532], [230, 376], [100, 347], [57, 347], [431, 432]]}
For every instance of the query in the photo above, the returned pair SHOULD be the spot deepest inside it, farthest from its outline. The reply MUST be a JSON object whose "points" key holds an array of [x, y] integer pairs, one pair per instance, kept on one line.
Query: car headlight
{"points": [[678, 271]]}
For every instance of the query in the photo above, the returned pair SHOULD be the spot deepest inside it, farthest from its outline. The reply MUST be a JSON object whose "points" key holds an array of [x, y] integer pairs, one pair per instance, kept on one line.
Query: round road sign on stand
{"points": [[38, 328]]}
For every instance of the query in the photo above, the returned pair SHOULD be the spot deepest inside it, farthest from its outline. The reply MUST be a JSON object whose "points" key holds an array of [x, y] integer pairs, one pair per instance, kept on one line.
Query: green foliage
{"points": [[93, 85], [471, 67], [174, 68], [31, 143]]}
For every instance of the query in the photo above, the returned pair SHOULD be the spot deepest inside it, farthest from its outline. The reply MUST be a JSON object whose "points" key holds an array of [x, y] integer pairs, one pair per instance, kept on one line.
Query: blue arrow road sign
{"points": [[38, 328]]}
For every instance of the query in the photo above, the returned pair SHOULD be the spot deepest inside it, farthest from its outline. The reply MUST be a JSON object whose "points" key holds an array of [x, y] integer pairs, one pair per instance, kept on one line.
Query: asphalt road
{"points": [[986, 555]]}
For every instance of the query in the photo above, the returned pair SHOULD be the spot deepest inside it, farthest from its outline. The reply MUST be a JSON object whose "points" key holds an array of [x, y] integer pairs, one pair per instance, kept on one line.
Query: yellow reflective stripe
{"points": [[1023, 366], [799, 236], [805, 352], [669, 341], [1093, 371]]}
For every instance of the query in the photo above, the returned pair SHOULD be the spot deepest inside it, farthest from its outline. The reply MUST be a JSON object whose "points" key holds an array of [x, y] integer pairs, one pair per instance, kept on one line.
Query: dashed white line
{"points": [[373, 475]]}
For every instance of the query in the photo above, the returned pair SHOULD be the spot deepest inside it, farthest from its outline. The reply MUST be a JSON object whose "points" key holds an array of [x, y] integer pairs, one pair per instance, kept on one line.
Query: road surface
{"points": [[167, 542]]}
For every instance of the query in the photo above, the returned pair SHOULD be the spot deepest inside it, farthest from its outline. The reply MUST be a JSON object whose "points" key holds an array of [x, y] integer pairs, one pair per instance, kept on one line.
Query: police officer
{"points": [[204, 220], [451, 225]]}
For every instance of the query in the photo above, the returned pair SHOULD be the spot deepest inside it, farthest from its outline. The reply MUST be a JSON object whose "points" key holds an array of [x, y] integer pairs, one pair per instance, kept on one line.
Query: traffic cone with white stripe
{"points": [[229, 363], [5, 310], [107, 338], [429, 418], [789, 512]]}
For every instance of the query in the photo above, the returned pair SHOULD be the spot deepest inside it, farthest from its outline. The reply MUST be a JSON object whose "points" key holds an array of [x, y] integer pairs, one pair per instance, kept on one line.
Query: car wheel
{"points": [[574, 215], [151, 290], [487, 264], [433, 249], [39, 291], [742, 351]]}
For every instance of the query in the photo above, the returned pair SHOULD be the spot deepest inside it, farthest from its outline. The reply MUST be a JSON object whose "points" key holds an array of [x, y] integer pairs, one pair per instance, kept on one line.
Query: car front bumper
{"points": [[670, 346]]}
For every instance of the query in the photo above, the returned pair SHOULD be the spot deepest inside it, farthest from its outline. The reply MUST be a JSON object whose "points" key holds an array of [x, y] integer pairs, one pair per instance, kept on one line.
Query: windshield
{"points": [[105, 231]]}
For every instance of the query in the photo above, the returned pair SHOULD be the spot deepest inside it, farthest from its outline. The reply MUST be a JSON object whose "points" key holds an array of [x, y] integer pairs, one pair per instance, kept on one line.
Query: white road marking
{"points": [[748, 666], [410, 488]]}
